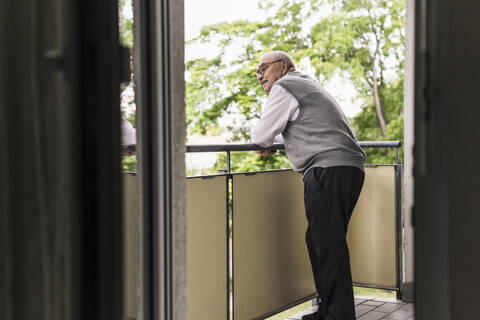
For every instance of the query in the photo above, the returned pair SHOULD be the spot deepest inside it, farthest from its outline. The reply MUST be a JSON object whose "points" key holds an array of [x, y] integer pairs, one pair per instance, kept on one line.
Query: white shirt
{"points": [[280, 108], [129, 134]]}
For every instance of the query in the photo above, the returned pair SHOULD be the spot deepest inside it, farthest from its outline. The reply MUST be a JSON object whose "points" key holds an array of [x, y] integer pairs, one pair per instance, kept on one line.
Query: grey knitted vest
{"points": [[320, 136]]}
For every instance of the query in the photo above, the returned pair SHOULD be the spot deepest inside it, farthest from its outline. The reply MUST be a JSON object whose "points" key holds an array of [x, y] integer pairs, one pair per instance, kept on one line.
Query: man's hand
{"points": [[266, 152]]}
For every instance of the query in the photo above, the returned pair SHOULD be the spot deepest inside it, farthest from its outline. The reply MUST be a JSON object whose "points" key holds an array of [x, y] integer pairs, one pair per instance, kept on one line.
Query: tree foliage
{"points": [[361, 40], [125, 24]]}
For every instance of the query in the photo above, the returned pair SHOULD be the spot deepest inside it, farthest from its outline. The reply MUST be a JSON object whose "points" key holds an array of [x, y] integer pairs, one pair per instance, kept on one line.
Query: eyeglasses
{"points": [[264, 66]]}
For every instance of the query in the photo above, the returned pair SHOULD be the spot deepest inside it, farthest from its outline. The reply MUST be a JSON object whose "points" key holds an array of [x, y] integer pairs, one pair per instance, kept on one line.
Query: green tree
{"points": [[361, 40], [129, 163], [125, 24]]}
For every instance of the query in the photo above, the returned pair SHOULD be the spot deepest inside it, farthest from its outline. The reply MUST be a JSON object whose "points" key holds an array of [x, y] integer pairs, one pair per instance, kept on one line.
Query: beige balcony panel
{"points": [[371, 232], [130, 257], [206, 249], [271, 266]]}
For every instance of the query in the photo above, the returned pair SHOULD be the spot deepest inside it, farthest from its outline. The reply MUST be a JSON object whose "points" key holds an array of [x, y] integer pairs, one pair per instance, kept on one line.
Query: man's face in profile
{"points": [[269, 70]]}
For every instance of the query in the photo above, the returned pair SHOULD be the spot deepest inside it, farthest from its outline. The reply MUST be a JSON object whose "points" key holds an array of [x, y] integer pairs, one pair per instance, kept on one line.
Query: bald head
{"points": [[272, 66], [278, 55]]}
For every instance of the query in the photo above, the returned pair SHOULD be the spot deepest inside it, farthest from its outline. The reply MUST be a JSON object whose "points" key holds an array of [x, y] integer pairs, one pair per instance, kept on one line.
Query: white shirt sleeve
{"points": [[129, 134], [280, 108], [278, 139]]}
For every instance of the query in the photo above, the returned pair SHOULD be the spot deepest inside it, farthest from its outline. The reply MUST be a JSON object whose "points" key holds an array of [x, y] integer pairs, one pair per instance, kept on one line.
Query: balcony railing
{"points": [[246, 254]]}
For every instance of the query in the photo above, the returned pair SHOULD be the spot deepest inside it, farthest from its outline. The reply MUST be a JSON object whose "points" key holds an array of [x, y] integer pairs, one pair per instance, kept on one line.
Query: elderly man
{"points": [[321, 146]]}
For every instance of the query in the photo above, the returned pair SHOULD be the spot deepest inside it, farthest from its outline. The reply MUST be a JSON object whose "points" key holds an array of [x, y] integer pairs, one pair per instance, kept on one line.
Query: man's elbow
{"points": [[260, 140]]}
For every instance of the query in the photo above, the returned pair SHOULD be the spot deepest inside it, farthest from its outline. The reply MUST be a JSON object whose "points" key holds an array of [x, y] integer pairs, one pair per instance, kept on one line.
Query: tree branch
{"points": [[378, 106]]}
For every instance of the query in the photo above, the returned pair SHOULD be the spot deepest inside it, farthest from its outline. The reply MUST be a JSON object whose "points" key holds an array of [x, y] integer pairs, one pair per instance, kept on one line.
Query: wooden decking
{"points": [[375, 309]]}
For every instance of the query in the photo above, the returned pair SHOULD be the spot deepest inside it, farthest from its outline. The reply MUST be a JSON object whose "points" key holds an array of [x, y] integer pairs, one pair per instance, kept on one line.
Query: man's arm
{"points": [[280, 107]]}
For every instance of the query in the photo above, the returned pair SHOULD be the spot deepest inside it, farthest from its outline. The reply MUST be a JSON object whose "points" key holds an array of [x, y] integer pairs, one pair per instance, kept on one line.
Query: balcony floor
{"points": [[367, 308]]}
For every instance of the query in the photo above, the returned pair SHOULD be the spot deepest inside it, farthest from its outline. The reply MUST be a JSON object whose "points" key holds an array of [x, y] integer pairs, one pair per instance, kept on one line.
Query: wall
{"points": [[409, 131]]}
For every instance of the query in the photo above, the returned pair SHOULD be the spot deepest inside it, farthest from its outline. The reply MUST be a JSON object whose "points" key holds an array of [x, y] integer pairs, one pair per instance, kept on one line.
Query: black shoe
{"points": [[312, 316]]}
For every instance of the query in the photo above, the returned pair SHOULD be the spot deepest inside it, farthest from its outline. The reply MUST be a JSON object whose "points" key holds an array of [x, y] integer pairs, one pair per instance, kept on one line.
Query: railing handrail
{"points": [[231, 147], [277, 146]]}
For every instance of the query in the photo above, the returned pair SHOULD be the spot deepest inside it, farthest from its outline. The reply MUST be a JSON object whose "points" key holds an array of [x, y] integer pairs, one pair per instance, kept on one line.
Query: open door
{"points": [[60, 187]]}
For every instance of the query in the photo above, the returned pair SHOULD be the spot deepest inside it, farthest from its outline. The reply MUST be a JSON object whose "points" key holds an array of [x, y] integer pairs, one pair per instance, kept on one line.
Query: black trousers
{"points": [[330, 196]]}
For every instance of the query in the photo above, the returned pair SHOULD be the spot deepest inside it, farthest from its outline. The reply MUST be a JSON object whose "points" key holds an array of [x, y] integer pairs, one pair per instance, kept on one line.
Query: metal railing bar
{"points": [[192, 148], [229, 254], [129, 148], [209, 176], [229, 215], [398, 228], [286, 307], [251, 173], [229, 147], [373, 165], [228, 162], [380, 144], [372, 286], [277, 146]]}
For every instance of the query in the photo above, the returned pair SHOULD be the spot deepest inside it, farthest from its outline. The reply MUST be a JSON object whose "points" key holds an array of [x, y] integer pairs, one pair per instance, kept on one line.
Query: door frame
{"points": [[158, 62]]}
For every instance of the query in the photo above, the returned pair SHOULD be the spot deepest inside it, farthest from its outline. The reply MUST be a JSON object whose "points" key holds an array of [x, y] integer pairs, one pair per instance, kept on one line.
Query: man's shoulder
{"points": [[288, 79], [297, 80], [295, 77]]}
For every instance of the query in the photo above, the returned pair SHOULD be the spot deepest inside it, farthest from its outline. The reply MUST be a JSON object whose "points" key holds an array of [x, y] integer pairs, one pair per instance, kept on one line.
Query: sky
{"points": [[199, 13]]}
